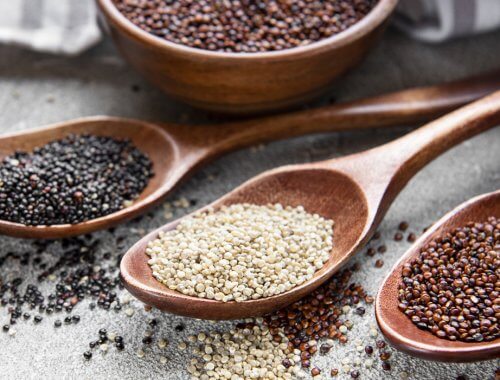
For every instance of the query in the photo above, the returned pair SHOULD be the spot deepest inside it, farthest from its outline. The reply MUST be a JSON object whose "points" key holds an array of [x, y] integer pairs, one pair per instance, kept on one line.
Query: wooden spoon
{"points": [[355, 191], [398, 328], [177, 151]]}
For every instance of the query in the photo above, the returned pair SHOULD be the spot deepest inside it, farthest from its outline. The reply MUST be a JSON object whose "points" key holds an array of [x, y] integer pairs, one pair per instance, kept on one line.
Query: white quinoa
{"points": [[241, 252], [248, 353]]}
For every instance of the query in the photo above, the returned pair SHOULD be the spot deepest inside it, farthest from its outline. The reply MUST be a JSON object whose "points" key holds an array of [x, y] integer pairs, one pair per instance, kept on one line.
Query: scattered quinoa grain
{"points": [[162, 343], [385, 355], [241, 252], [411, 237], [403, 226], [398, 236]]}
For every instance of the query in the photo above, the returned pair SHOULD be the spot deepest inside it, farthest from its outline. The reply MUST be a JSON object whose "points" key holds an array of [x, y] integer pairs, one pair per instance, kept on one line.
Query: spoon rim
{"points": [[443, 349], [138, 206]]}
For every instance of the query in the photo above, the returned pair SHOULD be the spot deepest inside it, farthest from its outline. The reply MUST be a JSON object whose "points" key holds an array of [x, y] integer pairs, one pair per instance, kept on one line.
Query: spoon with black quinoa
{"points": [[442, 300], [76, 177], [71, 180]]}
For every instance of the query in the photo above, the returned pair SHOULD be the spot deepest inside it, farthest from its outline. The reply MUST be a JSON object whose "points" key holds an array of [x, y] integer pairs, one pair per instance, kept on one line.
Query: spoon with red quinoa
{"points": [[442, 299]]}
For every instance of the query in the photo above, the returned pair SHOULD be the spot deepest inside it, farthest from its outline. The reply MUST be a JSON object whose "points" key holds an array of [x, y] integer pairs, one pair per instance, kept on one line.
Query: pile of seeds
{"points": [[241, 252], [75, 179], [287, 340], [318, 316], [312, 324], [248, 352], [452, 288], [244, 26]]}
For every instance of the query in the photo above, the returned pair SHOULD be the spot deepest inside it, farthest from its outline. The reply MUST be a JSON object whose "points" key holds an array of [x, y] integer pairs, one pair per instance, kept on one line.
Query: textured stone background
{"points": [[40, 89]]}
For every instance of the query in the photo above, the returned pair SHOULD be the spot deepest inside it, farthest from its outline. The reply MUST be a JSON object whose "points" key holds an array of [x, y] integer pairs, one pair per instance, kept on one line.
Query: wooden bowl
{"points": [[244, 82]]}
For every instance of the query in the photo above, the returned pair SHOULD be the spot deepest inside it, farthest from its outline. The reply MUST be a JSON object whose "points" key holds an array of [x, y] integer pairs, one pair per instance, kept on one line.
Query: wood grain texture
{"points": [[178, 150], [244, 83], [355, 191], [398, 328]]}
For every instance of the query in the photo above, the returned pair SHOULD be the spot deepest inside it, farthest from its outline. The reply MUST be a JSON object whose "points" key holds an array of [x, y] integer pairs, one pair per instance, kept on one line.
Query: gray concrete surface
{"points": [[39, 89]]}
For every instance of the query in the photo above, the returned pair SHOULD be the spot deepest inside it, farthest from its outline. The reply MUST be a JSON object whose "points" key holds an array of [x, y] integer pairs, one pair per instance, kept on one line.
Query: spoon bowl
{"points": [[148, 138], [398, 328], [178, 150], [355, 191]]}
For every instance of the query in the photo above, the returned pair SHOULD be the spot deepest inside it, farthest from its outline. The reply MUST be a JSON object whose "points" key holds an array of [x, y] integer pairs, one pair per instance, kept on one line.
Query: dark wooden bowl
{"points": [[244, 83]]}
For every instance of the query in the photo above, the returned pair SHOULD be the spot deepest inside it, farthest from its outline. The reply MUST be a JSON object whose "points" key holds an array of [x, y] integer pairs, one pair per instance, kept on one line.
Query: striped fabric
{"points": [[56, 26], [69, 26], [439, 20]]}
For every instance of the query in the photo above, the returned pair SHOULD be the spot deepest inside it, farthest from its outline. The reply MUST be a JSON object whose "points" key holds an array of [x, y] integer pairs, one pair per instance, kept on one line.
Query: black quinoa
{"points": [[72, 180], [73, 277]]}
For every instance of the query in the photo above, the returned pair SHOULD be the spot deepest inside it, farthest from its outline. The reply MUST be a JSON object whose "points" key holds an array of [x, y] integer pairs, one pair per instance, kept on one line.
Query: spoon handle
{"points": [[385, 170], [398, 108]]}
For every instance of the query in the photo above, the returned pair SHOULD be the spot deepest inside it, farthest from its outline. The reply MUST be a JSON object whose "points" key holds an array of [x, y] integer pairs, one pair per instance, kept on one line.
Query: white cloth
{"points": [[70, 26], [55, 26], [440, 20]]}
